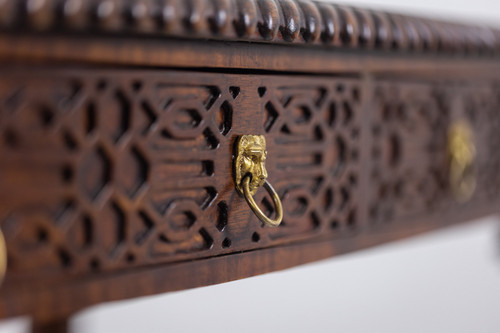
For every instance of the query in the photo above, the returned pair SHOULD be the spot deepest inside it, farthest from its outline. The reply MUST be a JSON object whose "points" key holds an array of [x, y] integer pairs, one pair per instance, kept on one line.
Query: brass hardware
{"points": [[251, 202], [462, 153], [250, 174], [3, 257], [251, 157]]}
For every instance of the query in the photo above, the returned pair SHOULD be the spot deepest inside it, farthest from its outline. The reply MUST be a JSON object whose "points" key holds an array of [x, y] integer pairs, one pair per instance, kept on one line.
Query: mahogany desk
{"points": [[121, 124]]}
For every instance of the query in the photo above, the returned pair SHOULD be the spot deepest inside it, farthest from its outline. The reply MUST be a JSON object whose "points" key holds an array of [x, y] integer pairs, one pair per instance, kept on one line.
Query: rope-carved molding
{"points": [[275, 21]]}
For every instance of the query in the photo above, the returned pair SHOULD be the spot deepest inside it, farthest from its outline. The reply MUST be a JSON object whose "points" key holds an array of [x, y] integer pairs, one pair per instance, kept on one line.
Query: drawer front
{"points": [[106, 171], [109, 170], [121, 124], [410, 162]]}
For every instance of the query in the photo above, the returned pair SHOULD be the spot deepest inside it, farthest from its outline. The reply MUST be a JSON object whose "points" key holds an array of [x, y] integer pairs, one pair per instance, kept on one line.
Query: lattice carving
{"points": [[409, 170], [314, 152], [103, 192], [105, 170], [479, 104], [410, 126], [135, 169]]}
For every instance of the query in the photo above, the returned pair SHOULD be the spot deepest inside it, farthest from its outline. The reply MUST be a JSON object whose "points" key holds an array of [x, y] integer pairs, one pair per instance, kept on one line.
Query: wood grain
{"points": [[107, 172], [118, 121]]}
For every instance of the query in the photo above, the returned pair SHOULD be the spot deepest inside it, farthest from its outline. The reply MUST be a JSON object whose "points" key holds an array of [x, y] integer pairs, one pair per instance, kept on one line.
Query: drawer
{"points": [[111, 171], [127, 130], [411, 123]]}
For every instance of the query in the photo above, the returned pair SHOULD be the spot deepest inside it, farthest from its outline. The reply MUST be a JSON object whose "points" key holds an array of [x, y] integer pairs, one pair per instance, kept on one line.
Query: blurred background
{"points": [[446, 281]]}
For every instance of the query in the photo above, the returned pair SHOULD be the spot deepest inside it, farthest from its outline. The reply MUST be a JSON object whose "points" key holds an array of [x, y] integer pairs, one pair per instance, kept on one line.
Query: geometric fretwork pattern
{"points": [[408, 150], [314, 136], [409, 162], [125, 170], [105, 191], [109, 170], [480, 105]]}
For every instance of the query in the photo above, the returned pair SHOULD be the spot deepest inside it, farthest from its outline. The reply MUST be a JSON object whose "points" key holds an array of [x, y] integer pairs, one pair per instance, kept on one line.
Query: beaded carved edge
{"points": [[275, 21]]}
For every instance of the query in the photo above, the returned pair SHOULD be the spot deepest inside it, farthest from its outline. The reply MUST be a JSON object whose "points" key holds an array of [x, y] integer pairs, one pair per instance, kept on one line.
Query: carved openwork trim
{"points": [[118, 178], [275, 21], [131, 169]]}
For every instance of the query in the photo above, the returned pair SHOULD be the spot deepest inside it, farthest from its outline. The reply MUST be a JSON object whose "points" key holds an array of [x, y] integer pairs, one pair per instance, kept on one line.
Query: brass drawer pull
{"points": [[251, 202], [462, 154], [250, 174]]}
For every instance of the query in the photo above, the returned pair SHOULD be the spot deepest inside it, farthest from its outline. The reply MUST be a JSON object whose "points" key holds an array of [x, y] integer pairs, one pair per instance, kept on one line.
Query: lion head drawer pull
{"points": [[250, 174], [462, 153]]}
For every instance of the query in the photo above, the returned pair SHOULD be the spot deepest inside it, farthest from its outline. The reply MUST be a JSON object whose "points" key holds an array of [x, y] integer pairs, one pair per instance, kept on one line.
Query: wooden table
{"points": [[119, 123]]}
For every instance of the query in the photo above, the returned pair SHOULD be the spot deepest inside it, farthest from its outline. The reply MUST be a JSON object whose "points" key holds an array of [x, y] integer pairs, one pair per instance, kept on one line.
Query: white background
{"points": [[447, 281]]}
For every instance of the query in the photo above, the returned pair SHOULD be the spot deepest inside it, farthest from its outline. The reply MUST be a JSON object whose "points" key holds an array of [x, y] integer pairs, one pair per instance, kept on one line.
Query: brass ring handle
{"points": [[251, 202], [250, 173], [3, 257]]}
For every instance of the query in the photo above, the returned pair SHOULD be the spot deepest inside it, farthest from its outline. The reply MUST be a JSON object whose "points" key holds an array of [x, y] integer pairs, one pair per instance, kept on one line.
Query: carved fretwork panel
{"points": [[479, 104], [409, 127], [104, 171], [99, 155], [409, 168], [119, 127], [314, 137]]}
